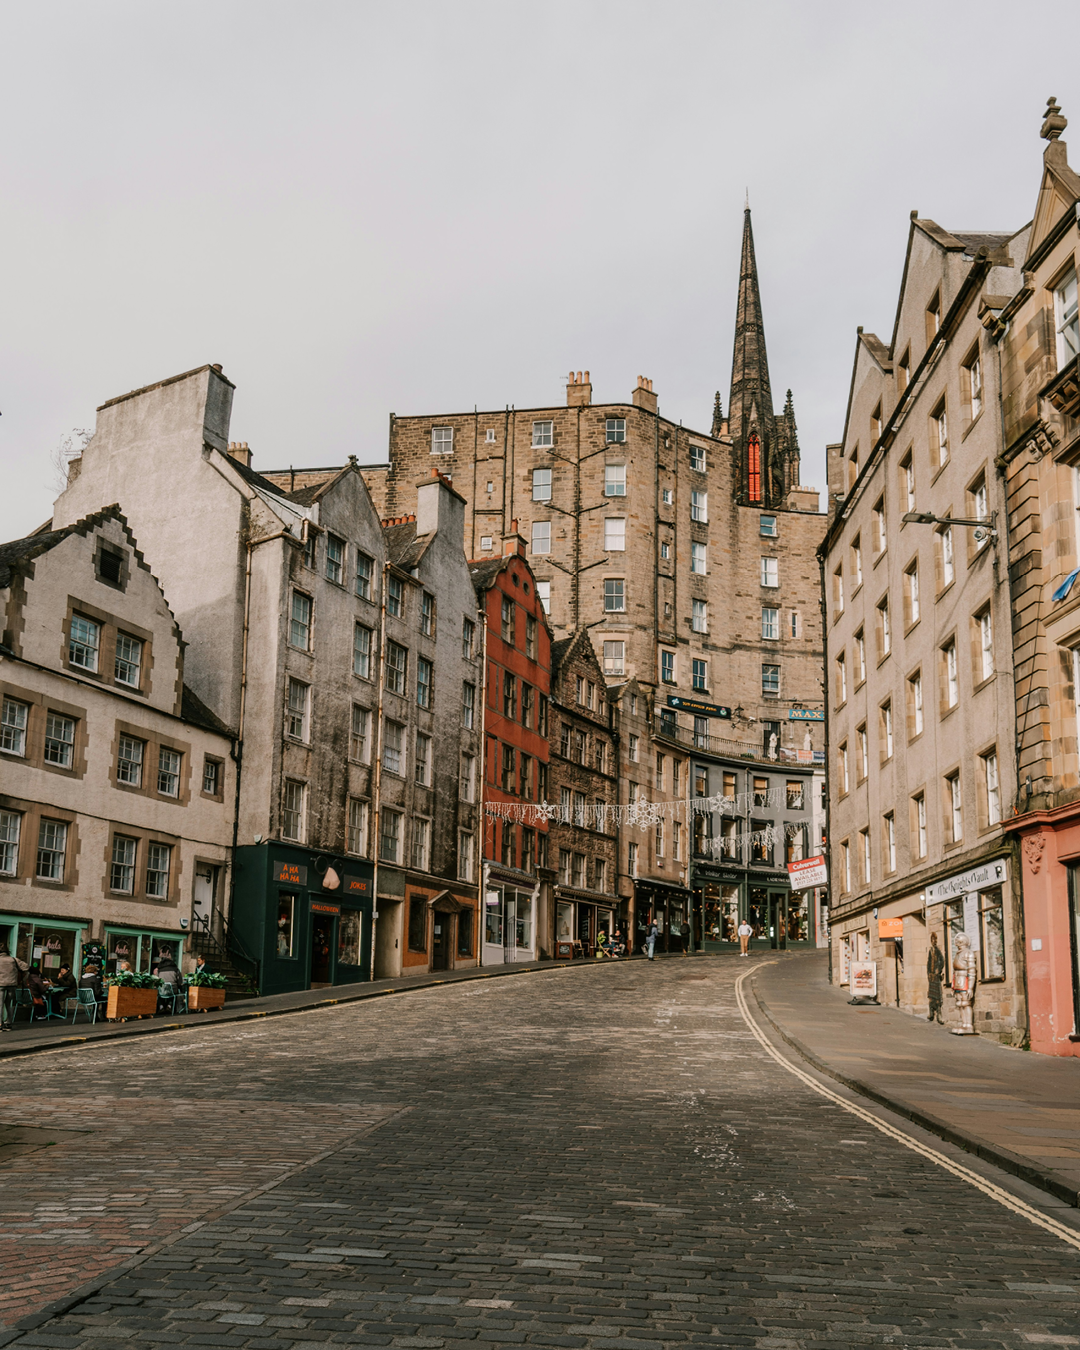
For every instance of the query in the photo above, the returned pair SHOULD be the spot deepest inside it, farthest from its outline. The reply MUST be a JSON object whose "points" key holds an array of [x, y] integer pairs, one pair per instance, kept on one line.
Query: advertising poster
{"points": [[864, 979]]}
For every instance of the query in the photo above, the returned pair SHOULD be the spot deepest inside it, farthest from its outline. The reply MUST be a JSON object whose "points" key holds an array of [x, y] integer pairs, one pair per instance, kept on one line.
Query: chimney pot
{"points": [[578, 390], [643, 396]]}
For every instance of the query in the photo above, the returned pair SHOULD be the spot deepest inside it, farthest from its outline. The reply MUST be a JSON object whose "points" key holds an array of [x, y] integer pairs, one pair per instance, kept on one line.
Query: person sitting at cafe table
{"points": [[39, 990], [64, 982], [91, 979]]}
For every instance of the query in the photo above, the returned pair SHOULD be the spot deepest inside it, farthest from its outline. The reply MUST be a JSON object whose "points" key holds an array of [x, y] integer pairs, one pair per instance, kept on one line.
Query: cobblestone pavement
{"points": [[600, 1158]]}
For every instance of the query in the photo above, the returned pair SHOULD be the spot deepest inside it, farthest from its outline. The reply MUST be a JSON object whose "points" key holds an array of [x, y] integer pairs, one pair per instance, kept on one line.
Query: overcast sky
{"points": [[359, 208]]}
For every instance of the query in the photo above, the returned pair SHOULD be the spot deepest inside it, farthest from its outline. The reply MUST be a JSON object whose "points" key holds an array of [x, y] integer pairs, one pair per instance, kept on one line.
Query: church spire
{"points": [[717, 415]]}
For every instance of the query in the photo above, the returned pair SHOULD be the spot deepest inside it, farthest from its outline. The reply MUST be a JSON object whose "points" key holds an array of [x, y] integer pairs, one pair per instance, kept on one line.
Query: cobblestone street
{"points": [[602, 1158]]}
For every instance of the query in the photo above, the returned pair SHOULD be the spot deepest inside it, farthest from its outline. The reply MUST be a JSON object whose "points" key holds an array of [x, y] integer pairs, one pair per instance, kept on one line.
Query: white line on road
{"points": [[987, 1187]]}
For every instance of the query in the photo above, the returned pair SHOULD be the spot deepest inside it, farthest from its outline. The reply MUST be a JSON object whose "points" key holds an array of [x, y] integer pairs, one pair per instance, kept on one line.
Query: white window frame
{"points": [[541, 537], [442, 440], [541, 485], [699, 558], [615, 534], [770, 623], [770, 572], [699, 616], [614, 660], [1066, 319], [614, 480], [543, 435], [699, 507], [297, 707]]}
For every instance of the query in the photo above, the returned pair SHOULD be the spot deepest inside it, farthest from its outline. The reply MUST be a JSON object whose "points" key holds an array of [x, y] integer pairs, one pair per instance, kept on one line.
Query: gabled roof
{"points": [[565, 649], [22, 551], [484, 573]]}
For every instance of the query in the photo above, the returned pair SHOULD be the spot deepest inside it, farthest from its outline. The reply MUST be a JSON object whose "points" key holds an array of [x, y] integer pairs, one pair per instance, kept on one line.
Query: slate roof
{"points": [[404, 546], [194, 710]]}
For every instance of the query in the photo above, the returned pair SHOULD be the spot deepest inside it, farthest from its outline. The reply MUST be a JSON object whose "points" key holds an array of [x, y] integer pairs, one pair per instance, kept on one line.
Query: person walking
{"points": [[745, 933], [935, 971], [651, 934], [10, 970]]}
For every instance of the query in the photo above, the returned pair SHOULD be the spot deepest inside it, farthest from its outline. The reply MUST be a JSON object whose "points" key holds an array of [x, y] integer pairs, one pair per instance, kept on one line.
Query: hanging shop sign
{"points": [[808, 872], [293, 874], [694, 705], [806, 715], [966, 883]]}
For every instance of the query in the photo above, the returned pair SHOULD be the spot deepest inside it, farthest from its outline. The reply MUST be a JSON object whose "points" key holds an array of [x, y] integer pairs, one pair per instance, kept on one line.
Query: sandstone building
{"points": [[918, 642], [1037, 333]]}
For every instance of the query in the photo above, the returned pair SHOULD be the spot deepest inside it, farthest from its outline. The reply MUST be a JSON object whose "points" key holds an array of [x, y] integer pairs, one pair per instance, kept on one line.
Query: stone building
{"points": [[1037, 334], [288, 591], [690, 556], [118, 801], [515, 709], [583, 784], [918, 647]]}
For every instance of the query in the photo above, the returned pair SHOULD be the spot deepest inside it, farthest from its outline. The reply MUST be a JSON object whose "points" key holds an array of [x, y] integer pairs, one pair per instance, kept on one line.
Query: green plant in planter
{"points": [[203, 979], [131, 979]]}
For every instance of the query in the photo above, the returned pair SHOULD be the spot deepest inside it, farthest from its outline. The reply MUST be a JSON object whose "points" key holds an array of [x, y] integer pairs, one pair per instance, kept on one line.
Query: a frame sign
{"points": [[694, 705], [294, 874], [863, 979], [965, 883], [808, 872], [806, 715]]}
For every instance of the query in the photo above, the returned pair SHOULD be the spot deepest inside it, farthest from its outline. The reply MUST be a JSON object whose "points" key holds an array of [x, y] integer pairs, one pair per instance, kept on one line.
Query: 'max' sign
{"points": [[963, 883]]}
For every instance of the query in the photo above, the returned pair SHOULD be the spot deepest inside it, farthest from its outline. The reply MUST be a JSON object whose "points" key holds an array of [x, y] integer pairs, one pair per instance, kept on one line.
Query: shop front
{"points": [[46, 943], [510, 901], [724, 896], [305, 918], [668, 906], [580, 918], [142, 948]]}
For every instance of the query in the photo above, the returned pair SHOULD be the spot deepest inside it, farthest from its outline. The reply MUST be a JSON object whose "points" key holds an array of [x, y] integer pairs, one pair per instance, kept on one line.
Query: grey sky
{"points": [[360, 208]]}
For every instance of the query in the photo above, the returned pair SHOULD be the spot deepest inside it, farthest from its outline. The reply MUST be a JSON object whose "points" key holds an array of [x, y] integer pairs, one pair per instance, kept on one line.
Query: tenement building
{"points": [[918, 644], [1037, 335], [336, 649], [116, 816], [583, 785], [689, 556]]}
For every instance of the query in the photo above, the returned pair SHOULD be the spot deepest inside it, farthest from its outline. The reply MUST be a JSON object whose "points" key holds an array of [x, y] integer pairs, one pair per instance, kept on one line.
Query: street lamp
{"points": [[984, 529]]}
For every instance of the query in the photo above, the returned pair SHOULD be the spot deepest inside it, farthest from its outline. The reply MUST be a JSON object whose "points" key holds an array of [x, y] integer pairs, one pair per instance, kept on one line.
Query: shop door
{"points": [[322, 950], [585, 928], [443, 928], [509, 926], [778, 920], [757, 914]]}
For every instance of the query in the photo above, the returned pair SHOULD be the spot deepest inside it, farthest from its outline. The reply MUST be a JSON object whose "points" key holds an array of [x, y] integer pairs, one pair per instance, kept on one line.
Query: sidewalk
{"points": [[29, 1037], [1018, 1110]]}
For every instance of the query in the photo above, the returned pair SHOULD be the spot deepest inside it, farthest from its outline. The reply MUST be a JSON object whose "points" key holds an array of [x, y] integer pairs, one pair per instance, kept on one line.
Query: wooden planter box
{"points": [[125, 1002], [201, 997]]}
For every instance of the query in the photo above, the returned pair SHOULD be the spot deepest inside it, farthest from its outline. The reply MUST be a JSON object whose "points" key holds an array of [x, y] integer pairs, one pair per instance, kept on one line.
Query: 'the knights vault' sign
{"points": [[694, 705]]}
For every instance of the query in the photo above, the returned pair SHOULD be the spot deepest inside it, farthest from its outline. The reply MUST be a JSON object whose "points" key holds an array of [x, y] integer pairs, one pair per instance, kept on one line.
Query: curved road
{"points": [[614, 1158]]}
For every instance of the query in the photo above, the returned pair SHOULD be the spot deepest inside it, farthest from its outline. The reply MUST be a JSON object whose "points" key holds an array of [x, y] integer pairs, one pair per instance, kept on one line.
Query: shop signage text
{"points": [[693, 705], [356, 885], [806, 715], [295, 874], [321, 907], [808, 872], [863, 979], [976, 879], [890, 928]]}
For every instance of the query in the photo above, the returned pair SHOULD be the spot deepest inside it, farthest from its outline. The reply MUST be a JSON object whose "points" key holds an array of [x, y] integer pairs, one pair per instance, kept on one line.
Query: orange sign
{"points": [[890, 928]]}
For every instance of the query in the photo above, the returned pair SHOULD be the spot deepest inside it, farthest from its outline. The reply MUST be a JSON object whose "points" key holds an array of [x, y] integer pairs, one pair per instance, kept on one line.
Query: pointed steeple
{"points": [[750, 364], [717, 415]]}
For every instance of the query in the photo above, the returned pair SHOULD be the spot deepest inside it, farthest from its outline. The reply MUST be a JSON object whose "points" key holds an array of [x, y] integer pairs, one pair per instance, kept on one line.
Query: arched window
{"points": [[753, 458]]}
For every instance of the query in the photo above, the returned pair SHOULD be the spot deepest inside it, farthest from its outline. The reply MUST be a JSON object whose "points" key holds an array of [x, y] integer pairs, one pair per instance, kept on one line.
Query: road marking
{"points": [[1026, 1211]]}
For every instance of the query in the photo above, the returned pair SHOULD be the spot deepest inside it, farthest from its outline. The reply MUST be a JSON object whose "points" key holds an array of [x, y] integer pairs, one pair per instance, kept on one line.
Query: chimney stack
{"points": [[514, 543], [643, 396], [239, 451], [578, 390]]}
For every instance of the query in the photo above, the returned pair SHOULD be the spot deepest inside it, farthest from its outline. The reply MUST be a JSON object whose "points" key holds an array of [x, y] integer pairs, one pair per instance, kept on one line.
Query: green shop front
{"points": [[45, 942], [305, 918], [724, 896]]}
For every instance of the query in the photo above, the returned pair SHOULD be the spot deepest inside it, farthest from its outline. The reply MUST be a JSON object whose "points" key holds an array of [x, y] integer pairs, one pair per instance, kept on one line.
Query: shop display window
{"points": [[465, 932], [493, 922], [798, 917], [418, 925], [524, 920], [992, 925], [954, 926], [349, 938], [564, 922], [46, 947], [286, 912], [757, 911]]}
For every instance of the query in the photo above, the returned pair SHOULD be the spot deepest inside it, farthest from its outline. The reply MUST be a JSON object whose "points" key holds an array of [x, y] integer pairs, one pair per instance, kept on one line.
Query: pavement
{"points": [[606, 1157]]}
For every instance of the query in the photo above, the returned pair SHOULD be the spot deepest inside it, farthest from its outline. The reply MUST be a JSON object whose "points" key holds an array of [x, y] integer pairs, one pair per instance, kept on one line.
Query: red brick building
{"points": [[517, 686]]}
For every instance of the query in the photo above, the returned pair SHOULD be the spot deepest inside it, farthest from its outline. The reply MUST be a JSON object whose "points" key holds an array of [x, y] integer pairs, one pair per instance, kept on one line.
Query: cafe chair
{"points": [[24, 999], [84, 999]]}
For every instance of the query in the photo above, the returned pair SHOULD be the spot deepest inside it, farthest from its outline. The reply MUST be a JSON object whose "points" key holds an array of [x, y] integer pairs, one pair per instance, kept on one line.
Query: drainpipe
{"points": [[481, 833], [376, 786], [828, 752]]}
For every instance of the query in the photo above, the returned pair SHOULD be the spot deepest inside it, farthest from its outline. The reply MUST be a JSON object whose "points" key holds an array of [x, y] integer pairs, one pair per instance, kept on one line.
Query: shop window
{"points": [[349, 930], [417, 924], [286, 911], [992, 934], [465, 932]]}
